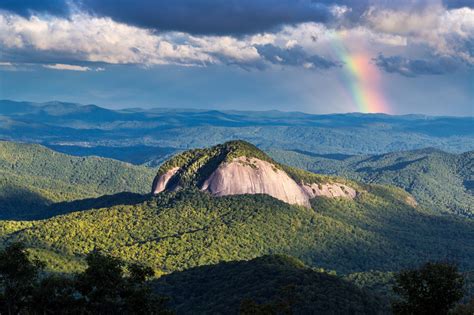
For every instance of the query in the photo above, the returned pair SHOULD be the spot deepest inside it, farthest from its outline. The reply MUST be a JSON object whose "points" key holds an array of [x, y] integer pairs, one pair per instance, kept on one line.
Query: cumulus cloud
{"points": [[449, 33], [84, 38], [415, 67]]}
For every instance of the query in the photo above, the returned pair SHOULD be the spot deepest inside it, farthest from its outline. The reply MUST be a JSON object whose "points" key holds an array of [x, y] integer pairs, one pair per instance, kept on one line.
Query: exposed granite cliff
{"points": [[236, 168]]}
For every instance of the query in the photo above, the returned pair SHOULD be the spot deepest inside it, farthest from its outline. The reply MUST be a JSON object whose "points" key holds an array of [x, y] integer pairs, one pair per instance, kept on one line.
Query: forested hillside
{"points": [[264, 283], [33, 177], [176, 231], [362, 239], [438, 180]]}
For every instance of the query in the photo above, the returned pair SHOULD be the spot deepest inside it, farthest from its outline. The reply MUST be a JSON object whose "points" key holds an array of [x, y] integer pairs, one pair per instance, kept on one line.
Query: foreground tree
{"points": [[56, 295], [18, 278], [432, 289], [107, 289], [107, 286]]}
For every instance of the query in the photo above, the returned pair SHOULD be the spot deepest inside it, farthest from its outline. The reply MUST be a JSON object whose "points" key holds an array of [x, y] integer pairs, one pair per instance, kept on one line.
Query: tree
{"points": [[432, 289], [106, 289], [56, 294], [18, 278], [101, 283], [107, 286]]}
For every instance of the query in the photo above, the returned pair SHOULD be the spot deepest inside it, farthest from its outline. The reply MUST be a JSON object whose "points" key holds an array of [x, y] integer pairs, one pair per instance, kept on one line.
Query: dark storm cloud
{"points": [[415, 67], [237, 17], [232, 17], [293, 56], [27, 7], [218, 17]]}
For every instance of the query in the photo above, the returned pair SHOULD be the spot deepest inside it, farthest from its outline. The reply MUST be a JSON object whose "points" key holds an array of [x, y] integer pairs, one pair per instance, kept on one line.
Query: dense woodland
{"points": [[355, 246], [33, 177]]}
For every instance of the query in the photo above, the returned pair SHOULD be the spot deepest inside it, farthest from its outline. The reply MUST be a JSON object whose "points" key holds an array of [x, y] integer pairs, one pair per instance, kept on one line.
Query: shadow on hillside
{"points": [[106, 201], [16, 203], [333, 156], [268, 279], [394, 167]]}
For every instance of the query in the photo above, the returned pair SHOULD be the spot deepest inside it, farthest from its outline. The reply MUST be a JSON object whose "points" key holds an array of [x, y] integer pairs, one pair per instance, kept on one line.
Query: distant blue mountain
{"points": [[88, 129]]}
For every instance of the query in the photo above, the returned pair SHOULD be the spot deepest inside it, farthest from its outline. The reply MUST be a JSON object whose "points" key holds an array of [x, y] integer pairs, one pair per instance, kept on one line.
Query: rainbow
{"points": [[361, 77]]}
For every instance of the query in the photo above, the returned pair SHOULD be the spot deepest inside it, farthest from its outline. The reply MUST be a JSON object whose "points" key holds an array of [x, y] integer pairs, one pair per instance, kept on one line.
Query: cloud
{"points": [[447, 33], [90, 32], [231, 17], [204, 17], [61, 66], [293, 55], [90, 39], [210, 17], [415, 67], [87, 39]]}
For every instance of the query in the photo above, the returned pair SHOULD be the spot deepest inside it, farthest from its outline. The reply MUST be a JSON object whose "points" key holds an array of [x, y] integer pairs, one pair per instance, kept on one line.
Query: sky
{"points": [[329, 56]]}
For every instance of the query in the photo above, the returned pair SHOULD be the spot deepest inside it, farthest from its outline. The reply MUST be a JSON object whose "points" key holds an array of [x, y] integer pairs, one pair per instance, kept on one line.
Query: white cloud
{"points": [[61, 66], [87, 38], [446, 32]]}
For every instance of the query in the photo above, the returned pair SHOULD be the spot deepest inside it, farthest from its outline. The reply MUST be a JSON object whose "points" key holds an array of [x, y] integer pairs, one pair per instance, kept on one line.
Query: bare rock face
{"points": [[159, 184], [251, 175], [254, 176], [329, 190]]}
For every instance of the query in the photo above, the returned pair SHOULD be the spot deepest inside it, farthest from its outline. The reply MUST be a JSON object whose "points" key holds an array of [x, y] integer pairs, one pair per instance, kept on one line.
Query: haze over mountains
{"points": [[157, 133]]}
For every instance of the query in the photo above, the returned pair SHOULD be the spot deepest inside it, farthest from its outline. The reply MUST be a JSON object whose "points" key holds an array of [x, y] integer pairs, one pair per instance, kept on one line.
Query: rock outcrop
{"points": [[237, 168], [160, 182], [254, 176], [330, 190]]}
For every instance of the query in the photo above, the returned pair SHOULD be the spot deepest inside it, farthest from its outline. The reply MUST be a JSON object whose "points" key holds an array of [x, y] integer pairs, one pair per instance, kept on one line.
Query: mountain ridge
{"points": [[33, 177], [439, 180], [187, 129]]}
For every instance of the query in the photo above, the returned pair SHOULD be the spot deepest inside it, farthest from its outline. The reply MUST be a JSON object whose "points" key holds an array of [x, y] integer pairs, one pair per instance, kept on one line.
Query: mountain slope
{"points": [[438, 180], [176, 231], [279, 281], [380, 228], [33, 177]]}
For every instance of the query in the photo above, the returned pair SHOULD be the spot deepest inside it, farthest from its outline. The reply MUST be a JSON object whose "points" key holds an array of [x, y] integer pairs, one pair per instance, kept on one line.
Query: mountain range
{"points": [[156, 134]]}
